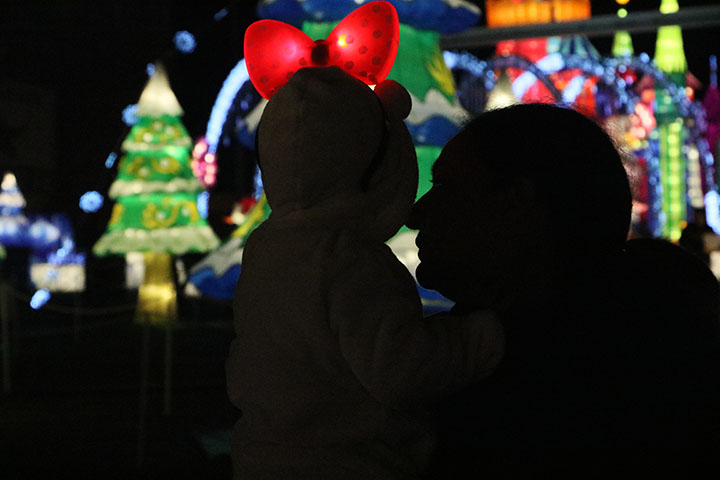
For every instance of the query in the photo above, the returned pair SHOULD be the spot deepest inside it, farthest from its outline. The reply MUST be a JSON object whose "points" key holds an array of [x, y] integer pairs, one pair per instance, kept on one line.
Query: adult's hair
{"points": [[573, 165]]}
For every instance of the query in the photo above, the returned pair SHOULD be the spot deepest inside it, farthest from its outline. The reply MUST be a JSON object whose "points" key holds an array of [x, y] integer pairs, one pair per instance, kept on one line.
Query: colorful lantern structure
{"points": [[711, 102], [670, 58], [503, 13], [577, 89], [13, 223], [620, 91], [217, 274], [203, 163], [55, 266], [156, 200], [622, 41]]}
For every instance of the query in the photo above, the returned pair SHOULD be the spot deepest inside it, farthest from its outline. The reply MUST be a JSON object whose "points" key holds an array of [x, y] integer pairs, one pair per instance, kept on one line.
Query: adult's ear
{"points": [[395, 99], [522, 200]]}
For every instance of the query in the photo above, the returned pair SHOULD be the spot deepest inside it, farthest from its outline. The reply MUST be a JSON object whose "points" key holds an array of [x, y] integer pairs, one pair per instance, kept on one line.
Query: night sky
{"points": [[85, 61]]}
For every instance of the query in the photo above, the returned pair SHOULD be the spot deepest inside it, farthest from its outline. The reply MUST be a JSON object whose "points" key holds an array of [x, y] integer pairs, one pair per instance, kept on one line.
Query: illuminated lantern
{"points": [[502, 94], [505, 13], [670, 58], [58, 273], [204, 164], [216, 274], [711, 102], [622, 41], [13, 223], [156, 196]]}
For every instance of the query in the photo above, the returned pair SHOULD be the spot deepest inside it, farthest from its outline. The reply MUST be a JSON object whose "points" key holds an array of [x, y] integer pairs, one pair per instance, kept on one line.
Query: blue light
{"points": [[573, 89], [450, 59], [150, 69], [522, 83], [184, 41], [234, 81], [203, 202], [39, 299], [129, 115], [91, 201], [220, 14], [110, 161], [712, 210], [258, 184], [551, 63]]}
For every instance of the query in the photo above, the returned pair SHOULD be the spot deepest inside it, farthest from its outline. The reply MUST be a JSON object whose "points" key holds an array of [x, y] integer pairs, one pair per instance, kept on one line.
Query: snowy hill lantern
{"points": [[156, 200], [13, 223]]}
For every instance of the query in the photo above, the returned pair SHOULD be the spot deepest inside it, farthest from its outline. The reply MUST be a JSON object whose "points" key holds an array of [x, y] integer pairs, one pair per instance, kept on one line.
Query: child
{"points": [[334, 367]]}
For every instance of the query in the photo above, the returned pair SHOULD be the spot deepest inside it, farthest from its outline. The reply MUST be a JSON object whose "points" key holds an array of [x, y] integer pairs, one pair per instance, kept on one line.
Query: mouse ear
{"points": [[394, 98]]}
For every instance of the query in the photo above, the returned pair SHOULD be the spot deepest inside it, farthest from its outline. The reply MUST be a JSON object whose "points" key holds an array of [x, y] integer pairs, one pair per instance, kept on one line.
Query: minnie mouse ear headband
{"points": [[364, 45]]}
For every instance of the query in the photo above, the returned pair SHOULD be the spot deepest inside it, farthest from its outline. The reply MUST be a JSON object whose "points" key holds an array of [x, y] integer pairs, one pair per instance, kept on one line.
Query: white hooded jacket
{"points": [[333, 363]]}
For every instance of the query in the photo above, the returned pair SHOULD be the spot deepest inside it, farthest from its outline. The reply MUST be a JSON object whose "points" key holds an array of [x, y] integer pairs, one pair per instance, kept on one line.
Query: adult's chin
{"points": [[423, 275], [430, 278]]}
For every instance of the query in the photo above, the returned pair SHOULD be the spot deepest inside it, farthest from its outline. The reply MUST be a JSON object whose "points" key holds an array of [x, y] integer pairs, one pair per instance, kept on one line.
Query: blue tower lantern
{"points": [[13, 223]]}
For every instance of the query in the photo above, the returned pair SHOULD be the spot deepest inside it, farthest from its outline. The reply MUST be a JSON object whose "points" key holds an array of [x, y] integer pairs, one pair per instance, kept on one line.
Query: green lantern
{"points": [[156, 194], [670, 58]]}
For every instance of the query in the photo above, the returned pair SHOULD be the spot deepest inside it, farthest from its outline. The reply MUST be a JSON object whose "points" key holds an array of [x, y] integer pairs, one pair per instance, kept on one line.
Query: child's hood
{"points": [[332, 150]]}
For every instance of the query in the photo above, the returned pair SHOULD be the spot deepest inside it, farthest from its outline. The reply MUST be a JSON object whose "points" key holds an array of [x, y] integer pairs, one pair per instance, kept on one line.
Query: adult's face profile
{"points": [[460, 226], [522, 196]]}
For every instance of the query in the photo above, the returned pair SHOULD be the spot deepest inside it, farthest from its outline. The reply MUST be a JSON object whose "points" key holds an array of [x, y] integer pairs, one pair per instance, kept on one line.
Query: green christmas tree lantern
{"points": [[670, 58], [156, 200]]}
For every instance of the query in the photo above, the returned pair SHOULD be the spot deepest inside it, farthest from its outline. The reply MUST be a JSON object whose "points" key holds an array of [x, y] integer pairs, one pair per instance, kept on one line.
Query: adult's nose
{"points": [[417, 213]]}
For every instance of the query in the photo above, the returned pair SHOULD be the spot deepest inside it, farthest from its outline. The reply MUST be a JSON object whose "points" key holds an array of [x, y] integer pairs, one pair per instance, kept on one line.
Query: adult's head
{"points": [[519, 195], [331, 147]]}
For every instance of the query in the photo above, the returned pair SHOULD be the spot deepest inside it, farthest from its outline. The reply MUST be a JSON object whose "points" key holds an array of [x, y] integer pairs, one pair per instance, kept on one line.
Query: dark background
{"points": [[69, 68]]}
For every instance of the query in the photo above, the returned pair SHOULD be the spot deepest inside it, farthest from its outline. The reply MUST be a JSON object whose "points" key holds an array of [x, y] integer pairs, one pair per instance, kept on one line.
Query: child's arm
{"points": [[399, 357]]}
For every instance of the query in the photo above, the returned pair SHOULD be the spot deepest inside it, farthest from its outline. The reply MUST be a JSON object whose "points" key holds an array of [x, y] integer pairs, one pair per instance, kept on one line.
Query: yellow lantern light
{"points": [[505, 13]]}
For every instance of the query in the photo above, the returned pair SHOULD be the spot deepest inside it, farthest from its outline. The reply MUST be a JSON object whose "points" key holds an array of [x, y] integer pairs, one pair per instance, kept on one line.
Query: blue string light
{"points": [[110, 161], [203, 202], [184, 41], [218, 115], [39, 299], [91, 201], [220, 14], [129, 115]]}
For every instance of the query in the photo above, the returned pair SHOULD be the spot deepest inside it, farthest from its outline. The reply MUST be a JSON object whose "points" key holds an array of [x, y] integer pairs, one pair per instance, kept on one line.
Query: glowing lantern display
{"points": [[506, 13], [527, 88], [622, 41], [670, 58], [13, 224], [216, 274], [204, 164], [156, 199]]}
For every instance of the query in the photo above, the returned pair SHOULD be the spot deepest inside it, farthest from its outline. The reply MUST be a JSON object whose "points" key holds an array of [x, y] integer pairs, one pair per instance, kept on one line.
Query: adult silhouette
{"points": [[528, 216]]}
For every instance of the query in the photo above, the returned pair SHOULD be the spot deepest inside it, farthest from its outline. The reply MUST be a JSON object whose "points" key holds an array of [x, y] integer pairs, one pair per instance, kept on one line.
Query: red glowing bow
{"points": [[363, 44]]}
